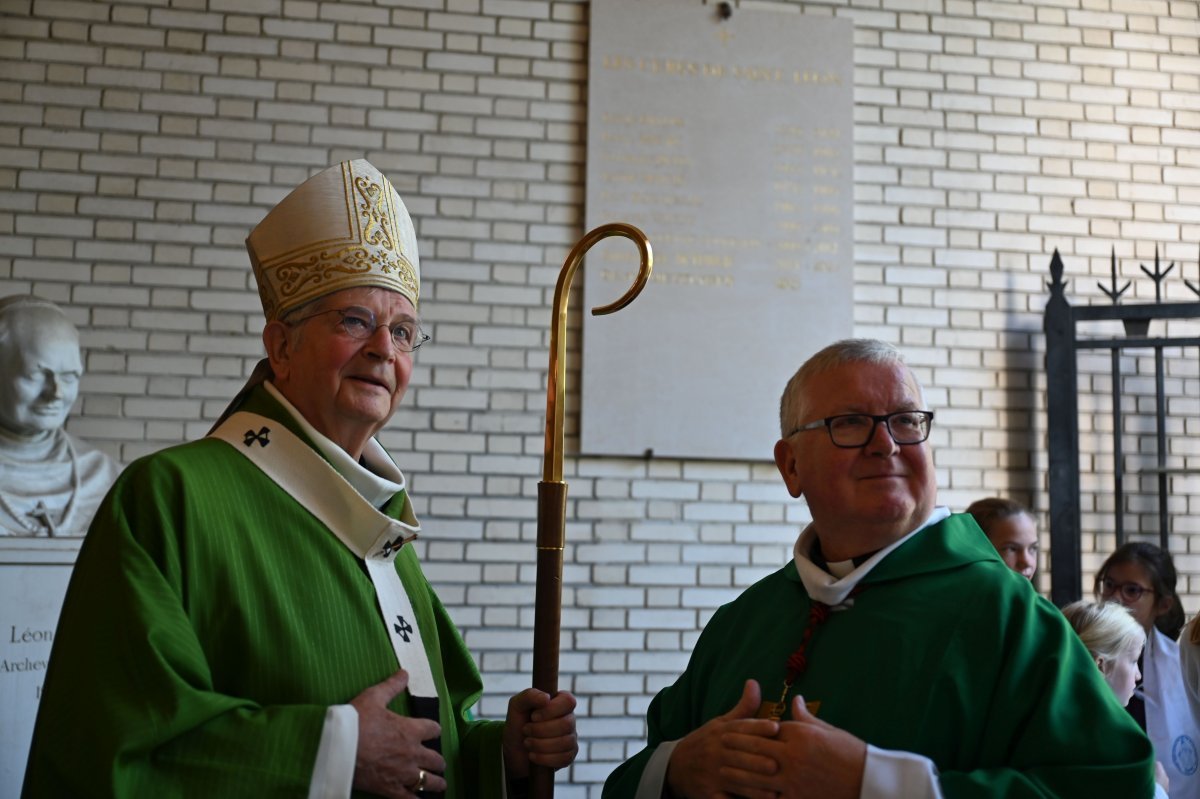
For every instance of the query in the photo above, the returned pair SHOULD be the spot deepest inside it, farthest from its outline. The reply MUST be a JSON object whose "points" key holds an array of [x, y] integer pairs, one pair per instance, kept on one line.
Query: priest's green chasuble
{"points": [[210, 622], [944, 652]]}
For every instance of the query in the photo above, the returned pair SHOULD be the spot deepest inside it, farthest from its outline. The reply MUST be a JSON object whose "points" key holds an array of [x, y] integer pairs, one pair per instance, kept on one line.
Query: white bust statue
{"points": [[50, 482]]}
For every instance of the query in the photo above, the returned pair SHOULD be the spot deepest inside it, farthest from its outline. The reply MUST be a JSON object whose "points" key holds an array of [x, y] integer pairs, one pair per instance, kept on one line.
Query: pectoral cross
{"points": [[775, 711], [41, 514], [771, 710]]}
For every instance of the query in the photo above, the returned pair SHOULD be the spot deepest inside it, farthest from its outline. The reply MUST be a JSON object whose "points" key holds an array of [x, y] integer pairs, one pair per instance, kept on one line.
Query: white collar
{"points": [[378, 480], [833, 590]]}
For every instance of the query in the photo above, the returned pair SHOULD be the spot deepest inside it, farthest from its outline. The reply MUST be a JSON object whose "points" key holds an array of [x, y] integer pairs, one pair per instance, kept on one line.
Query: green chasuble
{"points": [[945, 653], [210, 622]]}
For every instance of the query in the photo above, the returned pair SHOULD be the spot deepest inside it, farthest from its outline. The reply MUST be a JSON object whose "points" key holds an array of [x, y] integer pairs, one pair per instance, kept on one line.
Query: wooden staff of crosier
{"points": [[552, 491]]}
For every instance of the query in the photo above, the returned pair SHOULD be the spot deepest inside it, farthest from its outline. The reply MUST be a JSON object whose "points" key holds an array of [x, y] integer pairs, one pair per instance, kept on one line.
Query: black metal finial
{"points": [[1056, 285], [1157, 276], [1115, 294], [1195, 289]]}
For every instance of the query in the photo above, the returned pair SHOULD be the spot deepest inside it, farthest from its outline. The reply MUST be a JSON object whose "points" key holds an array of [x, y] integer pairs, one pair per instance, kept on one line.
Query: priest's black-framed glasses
{"points": [[850, 430]]}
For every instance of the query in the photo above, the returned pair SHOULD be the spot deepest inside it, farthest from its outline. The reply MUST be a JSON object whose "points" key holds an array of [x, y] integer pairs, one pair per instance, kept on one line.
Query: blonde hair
{"points": [[1107, 629]]}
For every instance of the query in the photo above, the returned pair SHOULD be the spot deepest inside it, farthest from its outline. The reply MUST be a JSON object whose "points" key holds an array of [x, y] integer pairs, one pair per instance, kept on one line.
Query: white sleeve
{"points": [[1189, 665], [889, 773], [654, 775], [333, 770]]}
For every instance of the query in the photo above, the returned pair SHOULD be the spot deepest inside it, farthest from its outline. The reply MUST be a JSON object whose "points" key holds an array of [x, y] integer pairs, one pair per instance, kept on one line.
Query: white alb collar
{"points": [[378, 481], [833, 590]]}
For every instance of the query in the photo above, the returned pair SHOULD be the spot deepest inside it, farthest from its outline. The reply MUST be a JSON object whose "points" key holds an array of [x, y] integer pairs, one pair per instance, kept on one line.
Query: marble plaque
{"points": [[730, 144], [33, 581]]}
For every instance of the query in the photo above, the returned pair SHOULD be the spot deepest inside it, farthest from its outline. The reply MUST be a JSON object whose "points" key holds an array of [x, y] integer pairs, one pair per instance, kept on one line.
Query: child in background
{"points": [[1141, 577], [1115, 640], [1012, 530], [1189, 664]]}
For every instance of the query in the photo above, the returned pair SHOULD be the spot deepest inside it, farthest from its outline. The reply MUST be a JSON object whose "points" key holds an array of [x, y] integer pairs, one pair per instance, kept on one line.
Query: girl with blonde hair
{"points": [[1115, 639]]}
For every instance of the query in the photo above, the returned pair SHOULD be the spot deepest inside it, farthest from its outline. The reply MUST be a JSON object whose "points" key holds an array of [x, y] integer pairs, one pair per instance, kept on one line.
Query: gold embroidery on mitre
{"points": [[370, 255], [380, 229]]}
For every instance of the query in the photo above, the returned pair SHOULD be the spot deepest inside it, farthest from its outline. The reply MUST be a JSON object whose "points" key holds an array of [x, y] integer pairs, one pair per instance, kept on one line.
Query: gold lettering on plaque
{"points": [[675, 67], [700, 259], [671, 278]]}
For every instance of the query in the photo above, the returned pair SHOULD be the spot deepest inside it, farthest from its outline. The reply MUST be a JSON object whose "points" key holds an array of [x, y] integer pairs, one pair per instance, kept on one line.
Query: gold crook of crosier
{"points": [[552, 491]]}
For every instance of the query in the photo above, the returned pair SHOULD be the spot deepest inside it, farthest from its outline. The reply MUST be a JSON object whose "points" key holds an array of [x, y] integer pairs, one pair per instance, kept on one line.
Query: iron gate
{"points": [[1063, 343]]}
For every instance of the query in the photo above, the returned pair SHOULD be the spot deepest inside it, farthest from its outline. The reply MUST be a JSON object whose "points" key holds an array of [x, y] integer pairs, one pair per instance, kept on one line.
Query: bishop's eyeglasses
{"points": [[851, 430], [360, 323]]}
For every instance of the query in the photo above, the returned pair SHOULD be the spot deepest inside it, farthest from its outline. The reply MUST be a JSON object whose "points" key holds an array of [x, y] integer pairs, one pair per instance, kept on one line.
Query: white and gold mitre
{"points": [[342, 228]]}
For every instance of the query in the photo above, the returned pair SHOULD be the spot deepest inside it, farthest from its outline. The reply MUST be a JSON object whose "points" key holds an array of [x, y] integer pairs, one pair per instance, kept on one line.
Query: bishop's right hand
{"points": [[392, 759]]}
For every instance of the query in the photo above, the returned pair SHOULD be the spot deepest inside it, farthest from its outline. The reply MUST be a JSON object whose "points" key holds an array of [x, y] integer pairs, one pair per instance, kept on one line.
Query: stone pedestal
{"points": [[33, 581]]}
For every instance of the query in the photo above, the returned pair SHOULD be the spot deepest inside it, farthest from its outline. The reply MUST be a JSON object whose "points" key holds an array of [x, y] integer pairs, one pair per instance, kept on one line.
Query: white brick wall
{"points": [[139, 143]]}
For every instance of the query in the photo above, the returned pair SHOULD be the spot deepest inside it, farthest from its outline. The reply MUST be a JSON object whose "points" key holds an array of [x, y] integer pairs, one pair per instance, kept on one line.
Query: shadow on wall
{"points": [[1021, 385]]}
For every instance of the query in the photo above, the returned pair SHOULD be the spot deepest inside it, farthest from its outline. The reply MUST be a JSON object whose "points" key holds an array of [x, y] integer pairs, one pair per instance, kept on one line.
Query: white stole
{"points": [[1169, 721], [371, 535]]}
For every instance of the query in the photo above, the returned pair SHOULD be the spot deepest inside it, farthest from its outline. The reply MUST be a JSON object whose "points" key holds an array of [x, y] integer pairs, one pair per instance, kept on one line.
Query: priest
{"points": [[248, 616], [895, 655]]}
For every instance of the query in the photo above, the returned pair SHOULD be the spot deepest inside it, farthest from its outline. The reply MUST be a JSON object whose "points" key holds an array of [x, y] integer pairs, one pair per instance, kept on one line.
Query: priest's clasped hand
{"points": [[737, 754]]}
